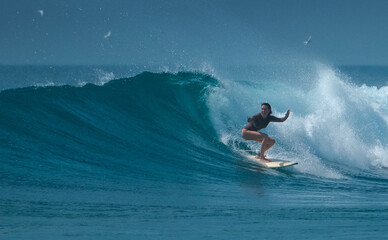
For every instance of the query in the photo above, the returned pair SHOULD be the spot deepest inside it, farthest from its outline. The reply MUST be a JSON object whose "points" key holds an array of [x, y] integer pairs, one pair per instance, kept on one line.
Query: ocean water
{"points": [[133, 152]]}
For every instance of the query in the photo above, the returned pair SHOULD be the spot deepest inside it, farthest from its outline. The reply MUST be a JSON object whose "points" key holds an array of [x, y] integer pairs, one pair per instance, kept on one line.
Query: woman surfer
{"points": [[258, 122]]}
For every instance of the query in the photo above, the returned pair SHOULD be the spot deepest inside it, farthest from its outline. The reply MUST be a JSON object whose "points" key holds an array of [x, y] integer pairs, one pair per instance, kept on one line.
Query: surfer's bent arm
{"points": [[276, 119], [285, 117]]}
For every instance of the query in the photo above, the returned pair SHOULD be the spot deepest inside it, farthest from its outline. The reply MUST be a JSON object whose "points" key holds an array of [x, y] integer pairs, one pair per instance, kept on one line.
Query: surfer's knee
{"points": [[270, 141]]}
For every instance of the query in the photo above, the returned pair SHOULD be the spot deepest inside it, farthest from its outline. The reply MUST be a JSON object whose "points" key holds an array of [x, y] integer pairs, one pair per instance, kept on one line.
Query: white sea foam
{"points": [[333, 121], [103, 77]]}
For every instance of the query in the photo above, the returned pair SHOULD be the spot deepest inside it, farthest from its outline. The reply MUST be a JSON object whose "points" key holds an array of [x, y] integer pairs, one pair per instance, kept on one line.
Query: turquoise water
{"points": [[123, 153]]}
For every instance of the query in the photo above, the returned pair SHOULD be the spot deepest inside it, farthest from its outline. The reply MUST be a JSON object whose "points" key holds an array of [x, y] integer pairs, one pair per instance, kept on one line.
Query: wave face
{"points": [[147, 126]]}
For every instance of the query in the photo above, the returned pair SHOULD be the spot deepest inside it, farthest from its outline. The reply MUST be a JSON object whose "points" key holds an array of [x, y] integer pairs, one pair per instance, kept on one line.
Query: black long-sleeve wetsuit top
{"points": [[257, 122]]}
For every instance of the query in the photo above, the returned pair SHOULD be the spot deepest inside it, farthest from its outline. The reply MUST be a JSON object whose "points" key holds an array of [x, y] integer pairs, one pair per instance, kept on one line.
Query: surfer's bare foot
{"points": [[258, 157], [265, 160]]}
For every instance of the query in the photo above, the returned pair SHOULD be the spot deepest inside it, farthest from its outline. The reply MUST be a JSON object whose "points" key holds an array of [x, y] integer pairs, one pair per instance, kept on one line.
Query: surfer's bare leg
{"points": [[252, 135], [266, 144], [264, 139]]}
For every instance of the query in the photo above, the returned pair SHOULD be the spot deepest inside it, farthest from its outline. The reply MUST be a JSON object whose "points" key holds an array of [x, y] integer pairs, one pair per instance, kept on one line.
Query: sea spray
{"points": [[332, 120]]}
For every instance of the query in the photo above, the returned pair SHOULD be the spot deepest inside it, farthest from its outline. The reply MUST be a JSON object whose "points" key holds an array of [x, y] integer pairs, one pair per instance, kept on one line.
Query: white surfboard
{"points": [[274, 162]]}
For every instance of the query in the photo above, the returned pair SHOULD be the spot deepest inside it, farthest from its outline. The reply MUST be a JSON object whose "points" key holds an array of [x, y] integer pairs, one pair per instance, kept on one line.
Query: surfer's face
{"points": [[264, 110]]}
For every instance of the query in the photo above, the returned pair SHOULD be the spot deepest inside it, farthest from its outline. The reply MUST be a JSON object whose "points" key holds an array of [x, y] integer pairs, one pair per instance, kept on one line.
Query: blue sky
{"points": [[189, 32]]}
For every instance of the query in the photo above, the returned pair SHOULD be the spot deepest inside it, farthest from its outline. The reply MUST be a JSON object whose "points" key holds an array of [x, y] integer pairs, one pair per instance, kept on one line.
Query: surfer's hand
{"points": [[287, 114]]}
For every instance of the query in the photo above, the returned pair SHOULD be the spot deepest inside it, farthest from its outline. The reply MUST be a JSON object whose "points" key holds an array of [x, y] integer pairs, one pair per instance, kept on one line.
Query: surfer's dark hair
{"points": [[269, 107]]}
